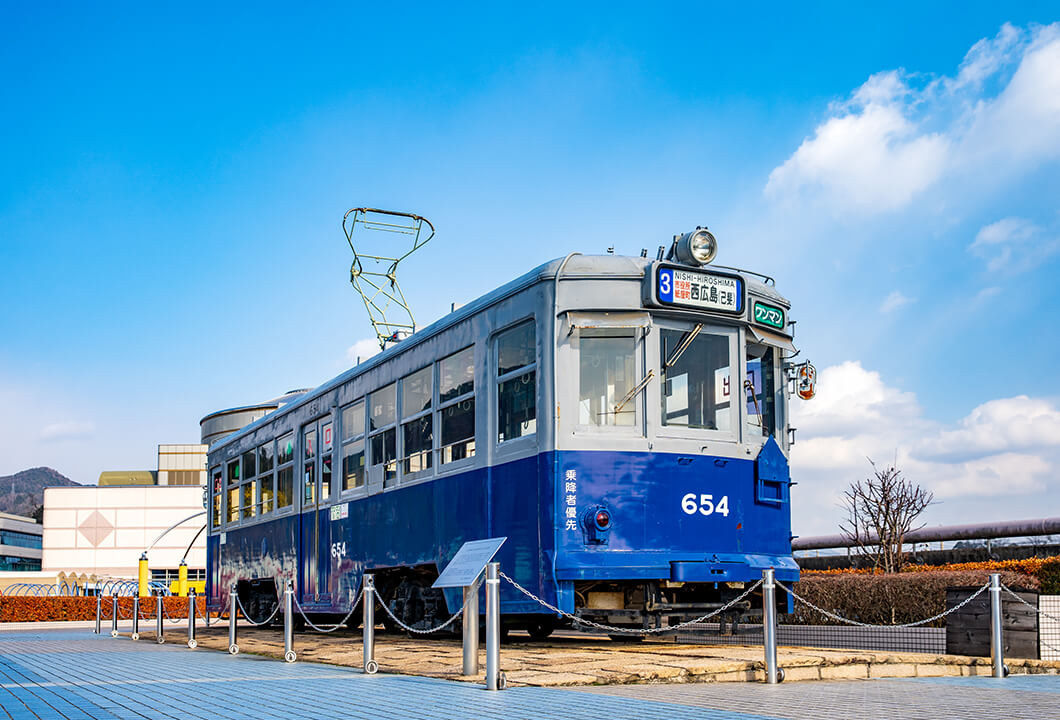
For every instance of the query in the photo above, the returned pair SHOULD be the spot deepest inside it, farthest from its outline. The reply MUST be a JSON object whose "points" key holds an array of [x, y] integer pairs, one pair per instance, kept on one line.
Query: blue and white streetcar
{"points": [[623, 421]]}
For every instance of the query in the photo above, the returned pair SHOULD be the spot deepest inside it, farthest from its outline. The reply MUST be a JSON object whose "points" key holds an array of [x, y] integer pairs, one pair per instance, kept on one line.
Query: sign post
{"points": [[464, 571]]}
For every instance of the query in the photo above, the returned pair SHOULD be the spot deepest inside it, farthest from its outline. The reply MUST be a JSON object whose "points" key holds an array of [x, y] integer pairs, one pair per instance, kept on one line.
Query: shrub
{"points": [[887, 599], [46, 609], [1049, 576]]}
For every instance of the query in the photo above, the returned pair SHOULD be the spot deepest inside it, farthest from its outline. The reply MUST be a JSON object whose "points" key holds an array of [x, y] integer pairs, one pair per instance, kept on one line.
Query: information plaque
{"points": [[468, 563]]}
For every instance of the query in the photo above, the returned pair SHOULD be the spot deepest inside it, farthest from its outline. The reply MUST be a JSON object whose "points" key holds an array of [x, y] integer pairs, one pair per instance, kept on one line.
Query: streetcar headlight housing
{"points": [[697, 248]]}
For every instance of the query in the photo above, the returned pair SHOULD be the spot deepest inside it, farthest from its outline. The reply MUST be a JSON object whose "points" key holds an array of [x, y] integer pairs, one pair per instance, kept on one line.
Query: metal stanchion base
{"points": [[114, 633], [135, 636], [290, 656], [193, 644], [371, 667], [160, 639], [233, 649]]}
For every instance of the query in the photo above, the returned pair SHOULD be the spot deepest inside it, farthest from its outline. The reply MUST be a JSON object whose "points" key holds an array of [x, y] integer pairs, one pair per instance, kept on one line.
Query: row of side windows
{"points": [[398, 432]]}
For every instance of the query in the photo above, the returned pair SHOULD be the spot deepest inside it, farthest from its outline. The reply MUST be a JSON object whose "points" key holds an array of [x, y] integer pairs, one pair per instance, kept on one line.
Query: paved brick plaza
{"points": [[77, 675]]}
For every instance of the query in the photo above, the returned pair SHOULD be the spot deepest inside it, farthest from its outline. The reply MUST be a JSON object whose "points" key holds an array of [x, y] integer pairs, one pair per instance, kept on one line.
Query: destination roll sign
{"points": [[698, 289]]}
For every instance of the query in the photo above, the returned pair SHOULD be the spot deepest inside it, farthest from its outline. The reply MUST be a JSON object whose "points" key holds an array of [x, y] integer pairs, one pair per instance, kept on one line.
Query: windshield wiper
{"points": [[749, 385], [634, 390], [682, 346]]}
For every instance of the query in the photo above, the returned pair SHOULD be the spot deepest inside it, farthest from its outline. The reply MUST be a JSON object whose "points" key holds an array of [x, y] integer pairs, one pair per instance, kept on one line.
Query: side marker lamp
{"points": [[597, 522]]}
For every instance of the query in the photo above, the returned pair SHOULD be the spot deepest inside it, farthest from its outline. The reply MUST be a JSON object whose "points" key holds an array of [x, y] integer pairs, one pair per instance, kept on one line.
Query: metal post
{"points": [[233, 648], [160, 611], [997, 647], [143, 586], [493, 627], [136, 618], [368, 607], [192, 642], [288, 624], [470, 621], [114, 617], [99, 612], [769, 624]]}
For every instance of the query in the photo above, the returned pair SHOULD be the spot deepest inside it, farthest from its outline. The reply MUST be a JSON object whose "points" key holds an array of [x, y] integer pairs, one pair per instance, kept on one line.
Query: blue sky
{"points": [[173, 182]]}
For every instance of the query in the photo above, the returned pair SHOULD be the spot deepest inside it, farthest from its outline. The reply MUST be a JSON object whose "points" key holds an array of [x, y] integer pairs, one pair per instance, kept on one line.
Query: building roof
{"points": [[128, 477]]}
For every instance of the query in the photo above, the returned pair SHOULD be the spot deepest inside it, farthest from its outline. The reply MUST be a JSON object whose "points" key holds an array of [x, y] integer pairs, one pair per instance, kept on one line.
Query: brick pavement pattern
{"points": [[951, 698], [80, 676]]}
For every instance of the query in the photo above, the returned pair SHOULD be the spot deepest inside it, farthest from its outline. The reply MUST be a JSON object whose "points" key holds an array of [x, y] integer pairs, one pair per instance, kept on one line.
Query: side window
{"points": [[516, 353], [309, 480], [285, 471], [456, 406], [417, 430], [382, 426], [606, 366], [760, 389], [266, 480], [248, 500], [233, 491], [325, 461], [353, 446], [216, 490]]}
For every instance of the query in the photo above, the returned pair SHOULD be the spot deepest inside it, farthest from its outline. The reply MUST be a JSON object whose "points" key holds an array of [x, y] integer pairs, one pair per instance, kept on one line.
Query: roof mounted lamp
{"points": [[698, 247]]}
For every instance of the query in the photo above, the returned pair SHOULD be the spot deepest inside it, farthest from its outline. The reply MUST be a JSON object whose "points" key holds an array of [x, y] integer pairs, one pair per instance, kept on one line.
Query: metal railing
{"points": [[369, 595]]}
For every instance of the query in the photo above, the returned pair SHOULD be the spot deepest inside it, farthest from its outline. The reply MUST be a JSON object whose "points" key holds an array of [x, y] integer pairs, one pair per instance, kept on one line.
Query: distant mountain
{"points": [[23, 492]]}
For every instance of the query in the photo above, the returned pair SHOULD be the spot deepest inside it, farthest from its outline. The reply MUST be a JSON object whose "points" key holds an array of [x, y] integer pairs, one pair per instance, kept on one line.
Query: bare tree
{"points": [[880, 511]]}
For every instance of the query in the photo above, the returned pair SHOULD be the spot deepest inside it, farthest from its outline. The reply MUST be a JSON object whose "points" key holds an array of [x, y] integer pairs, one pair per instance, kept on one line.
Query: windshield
{"points": [[695, 379], [606, 377]]}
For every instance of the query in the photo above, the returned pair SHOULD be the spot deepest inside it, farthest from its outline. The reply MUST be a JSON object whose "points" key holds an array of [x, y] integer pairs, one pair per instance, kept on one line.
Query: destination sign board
{"points": [[468, 563], [768, 315], [716, 292]]}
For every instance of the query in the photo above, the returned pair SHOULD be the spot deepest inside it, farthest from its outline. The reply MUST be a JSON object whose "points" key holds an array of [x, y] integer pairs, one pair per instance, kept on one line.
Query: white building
{"points": [[103, 530]]}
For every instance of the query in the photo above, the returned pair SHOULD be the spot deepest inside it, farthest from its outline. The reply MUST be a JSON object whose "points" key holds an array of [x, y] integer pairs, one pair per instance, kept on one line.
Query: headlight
{"points": [[697, 248]]}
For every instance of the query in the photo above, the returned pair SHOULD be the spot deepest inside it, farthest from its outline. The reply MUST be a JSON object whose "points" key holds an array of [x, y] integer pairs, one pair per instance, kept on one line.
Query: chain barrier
{"points": [[417, 631], [165, 613], [331, 628], [848, 621], [1041, 612], [246, 615], [206, 615], [1007, 589], [631, 631]]}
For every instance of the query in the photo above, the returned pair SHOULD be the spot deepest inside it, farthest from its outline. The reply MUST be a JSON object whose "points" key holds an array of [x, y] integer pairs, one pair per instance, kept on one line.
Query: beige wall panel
{"points": [[60, 517], [132, 539], [124, 497], [130, 517], [70, 497]]}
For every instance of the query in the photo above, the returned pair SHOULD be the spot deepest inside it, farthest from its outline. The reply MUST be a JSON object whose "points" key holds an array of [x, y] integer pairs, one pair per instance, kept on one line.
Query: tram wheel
{"points": [[540, 629]]}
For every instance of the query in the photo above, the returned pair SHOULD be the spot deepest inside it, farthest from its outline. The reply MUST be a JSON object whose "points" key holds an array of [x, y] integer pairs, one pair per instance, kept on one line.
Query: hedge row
{"points": [[1027, 566], [44, 609], [889, 599]]}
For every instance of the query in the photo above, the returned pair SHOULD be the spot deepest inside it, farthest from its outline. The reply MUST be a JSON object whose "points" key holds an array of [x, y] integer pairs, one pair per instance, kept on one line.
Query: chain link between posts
{"points": [[632, 631], [1041, 612], [246, 615], [417, 631], [848, 621], [331, 628]]}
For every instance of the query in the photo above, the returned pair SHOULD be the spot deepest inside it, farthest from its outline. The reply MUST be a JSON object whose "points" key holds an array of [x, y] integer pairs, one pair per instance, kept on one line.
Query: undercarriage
{"points": [[660, 603]]}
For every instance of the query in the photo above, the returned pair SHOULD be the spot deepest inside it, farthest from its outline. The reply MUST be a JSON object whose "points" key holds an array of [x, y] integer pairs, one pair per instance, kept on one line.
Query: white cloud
{"points": [[894, 301], [72, 430], [1013, 243], [1004, 450], [898, 136], [362, 349]]}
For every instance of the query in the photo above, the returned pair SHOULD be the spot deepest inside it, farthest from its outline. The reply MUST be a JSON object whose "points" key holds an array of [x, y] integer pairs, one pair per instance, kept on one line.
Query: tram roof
{"points": [[575, 265]]}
